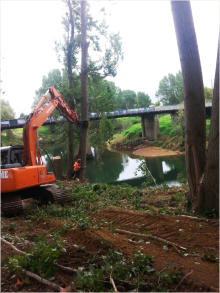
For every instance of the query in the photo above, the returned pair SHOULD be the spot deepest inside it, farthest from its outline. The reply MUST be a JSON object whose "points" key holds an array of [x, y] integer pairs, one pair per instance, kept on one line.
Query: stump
{"points": [[57, 167]]}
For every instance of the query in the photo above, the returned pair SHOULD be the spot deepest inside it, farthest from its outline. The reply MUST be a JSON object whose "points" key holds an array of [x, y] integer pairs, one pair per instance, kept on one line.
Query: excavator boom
{"points": [[38, 117]]}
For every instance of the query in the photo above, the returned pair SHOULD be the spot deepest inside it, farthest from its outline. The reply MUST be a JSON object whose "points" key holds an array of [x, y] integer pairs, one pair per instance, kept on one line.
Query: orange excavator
{"points": [[23, 173]]}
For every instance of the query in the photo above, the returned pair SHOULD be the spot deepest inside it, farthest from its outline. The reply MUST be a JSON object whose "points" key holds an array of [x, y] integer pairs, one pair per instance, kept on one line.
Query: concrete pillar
{"points": [[57, 167], [150, 126]]}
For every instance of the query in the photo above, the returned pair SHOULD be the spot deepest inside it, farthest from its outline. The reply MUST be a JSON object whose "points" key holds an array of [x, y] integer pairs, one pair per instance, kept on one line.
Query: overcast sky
{"points": [[29, 30]]}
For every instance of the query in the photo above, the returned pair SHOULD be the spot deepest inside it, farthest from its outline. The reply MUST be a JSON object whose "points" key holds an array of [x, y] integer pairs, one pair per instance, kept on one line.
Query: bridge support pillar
{"points": [[150, 126]]}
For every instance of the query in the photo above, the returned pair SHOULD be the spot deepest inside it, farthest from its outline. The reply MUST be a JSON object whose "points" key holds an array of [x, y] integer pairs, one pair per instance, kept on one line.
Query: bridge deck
{"points": [[19, 122]]}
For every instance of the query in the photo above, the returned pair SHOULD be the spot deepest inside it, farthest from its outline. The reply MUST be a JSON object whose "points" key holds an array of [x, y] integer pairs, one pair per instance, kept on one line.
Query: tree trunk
{"points": [[194, 101], [84, 91], [209, 192], [70, 80]]}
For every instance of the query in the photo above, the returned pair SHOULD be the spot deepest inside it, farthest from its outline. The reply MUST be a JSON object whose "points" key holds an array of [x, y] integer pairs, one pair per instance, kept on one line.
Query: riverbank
{"points": [[145, 148], [152, 152]]}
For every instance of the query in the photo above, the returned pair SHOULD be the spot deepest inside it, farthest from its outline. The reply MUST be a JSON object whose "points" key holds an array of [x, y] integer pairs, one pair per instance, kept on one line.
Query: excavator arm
{"points": [[37, 118]]}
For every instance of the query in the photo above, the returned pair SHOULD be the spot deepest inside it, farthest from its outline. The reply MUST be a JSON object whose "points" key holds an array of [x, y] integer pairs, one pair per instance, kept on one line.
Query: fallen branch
{"points": [[113, 284], [194, 218], [67, 269], [42, 280], [174, 245], [183, 278], [13, 247]]}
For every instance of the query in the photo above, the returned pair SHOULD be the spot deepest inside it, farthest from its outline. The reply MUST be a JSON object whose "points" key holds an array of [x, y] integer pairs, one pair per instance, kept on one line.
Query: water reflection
{"points": [[115, 167]]}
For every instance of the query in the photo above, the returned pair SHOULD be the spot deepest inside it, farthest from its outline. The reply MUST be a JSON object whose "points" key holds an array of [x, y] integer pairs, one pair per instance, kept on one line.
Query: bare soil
{"points": [[198, 236]]}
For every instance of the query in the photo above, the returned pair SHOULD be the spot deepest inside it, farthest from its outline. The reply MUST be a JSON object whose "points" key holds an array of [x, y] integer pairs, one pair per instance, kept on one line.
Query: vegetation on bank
{"points": [[170, 136], [127, 134]]}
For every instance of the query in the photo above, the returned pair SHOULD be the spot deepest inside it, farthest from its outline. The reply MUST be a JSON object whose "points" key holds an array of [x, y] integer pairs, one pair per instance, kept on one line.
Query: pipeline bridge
{"points": [[149, 118]]}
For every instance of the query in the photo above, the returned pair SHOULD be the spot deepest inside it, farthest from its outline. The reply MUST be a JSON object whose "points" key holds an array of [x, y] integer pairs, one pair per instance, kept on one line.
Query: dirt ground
{"points": [[152, 151], [199, 237]]}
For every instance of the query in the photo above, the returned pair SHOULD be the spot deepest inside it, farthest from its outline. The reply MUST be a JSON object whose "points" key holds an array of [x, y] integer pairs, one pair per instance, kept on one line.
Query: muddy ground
{"points": [[200, 237]]}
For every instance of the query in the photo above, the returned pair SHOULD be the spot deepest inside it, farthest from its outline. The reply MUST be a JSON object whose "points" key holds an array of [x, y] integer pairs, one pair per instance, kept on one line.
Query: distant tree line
{"points": [[170, 90]]}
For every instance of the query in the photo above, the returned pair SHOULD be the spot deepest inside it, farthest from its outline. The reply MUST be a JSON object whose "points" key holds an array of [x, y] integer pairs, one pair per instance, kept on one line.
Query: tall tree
{"points": [[143, 100], [194, 101], [70, 46], [170, 90], [209, 189], [84, 90], [130, 98]]}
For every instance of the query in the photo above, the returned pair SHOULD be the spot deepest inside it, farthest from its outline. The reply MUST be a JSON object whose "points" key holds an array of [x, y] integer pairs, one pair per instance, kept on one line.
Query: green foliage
{"points": [[149, 179], [143, 100], [7, 113], [165, 125], [6, 110], [181, 178], [115, 265], [208, 94], [209, 257], [133, 131], [170, 90], [83, 224], [128, 99], [180, 196], [207, 128], [40, 260]]}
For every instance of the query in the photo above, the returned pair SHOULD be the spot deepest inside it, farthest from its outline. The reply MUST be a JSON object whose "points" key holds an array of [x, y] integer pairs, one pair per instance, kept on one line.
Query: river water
{"points": [[117, 167]]}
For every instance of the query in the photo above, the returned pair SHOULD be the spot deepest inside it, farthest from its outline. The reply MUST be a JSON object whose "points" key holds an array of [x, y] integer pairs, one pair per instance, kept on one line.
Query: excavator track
{"points": [[11, 204], [56, 195]]}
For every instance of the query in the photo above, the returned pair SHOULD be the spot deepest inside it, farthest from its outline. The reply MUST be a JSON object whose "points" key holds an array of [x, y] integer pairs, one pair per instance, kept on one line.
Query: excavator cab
{"points": [[12, 157]]}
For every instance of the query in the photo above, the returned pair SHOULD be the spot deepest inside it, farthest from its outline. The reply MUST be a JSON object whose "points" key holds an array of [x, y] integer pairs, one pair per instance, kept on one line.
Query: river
{"points": [[117, 167]]}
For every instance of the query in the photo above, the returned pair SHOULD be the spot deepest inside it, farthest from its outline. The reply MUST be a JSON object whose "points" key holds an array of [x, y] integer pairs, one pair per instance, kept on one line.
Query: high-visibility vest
{"points": [[76, 167]]}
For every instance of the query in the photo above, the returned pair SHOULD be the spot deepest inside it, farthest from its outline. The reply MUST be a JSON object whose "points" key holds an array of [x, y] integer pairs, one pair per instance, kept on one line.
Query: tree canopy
{"points": [[170, 90], [6, 110]]}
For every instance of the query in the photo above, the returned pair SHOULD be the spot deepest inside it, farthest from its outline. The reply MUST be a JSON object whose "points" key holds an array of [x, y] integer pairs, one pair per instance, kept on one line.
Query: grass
{"points": [[133, 131], [165, 125], [44, 130]]}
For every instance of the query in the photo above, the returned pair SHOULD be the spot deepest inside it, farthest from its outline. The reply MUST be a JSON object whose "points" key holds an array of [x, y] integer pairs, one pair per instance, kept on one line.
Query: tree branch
{"points": [[113, 284], [152, 237], [42, 280]]}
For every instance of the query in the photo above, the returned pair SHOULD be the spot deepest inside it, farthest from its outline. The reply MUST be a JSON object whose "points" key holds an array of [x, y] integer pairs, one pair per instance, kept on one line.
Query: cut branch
{"points": [[183, 278], [113, 284], [42, 280], [152, 237], [194, 218], [13, 247]]}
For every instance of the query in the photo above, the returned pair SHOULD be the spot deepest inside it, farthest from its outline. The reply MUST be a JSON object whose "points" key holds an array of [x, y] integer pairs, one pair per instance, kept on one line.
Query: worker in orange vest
{"points": [[76, 168]]}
